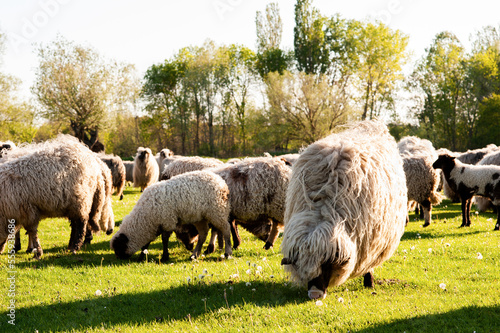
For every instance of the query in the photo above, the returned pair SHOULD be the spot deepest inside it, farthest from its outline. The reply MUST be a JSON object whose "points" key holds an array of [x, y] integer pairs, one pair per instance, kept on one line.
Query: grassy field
{"points": [[441, 279]]}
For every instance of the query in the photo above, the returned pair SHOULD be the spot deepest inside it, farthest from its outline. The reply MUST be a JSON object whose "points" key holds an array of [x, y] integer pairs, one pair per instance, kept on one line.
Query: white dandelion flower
{"points": [[447, 244], [264, 259], [479, 256], [412, 248], [145, 251], [477, 213], [248, 284], [98, 292], [429, 250], [259, 268], [340, 299], [442, 286], [249, 271], [319, 303]]}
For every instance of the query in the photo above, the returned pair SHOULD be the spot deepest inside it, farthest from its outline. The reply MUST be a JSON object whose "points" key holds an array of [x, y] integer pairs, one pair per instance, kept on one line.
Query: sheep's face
{"points": [[316, 288], [143, 155], [119, 244], [188, 235], [444, 162]]}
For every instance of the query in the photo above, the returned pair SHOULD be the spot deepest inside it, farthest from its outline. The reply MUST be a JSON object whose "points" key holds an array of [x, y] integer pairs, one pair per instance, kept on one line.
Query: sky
{"points": [[147, 32]]}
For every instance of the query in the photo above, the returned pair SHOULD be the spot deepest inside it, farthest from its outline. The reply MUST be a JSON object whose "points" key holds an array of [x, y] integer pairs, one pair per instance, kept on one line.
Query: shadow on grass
{"points": [[186, 302], [469, 319], [432, 234]]}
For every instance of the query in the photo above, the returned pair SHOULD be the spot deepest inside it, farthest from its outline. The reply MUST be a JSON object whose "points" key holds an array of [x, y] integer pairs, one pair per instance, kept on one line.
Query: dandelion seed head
{"points": [[447, 244], [145, 251], [442, 286], [248, 284], [319, 303], [340, 299], [429, 250], [479, 256], [249, 271], [98, 292]]}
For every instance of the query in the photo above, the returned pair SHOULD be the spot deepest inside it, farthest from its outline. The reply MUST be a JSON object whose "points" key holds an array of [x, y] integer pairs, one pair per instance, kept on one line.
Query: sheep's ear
{"points": [[286, 261]]}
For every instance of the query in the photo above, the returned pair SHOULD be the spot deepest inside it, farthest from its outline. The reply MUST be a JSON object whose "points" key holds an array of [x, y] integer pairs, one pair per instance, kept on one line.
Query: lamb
{"points": [[422, 179], [469, 180], [146, 169], [198, 198], [345, 208], [129, 171], [187, 164], [118, 172], [58, 178]]}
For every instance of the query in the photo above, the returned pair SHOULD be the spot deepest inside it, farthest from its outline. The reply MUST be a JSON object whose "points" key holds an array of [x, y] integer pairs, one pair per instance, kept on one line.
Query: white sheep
{"points": [[482, 203], [58, 178], [469, 180], [188, 163], [198, 198], [129, 171], [422, 180], [345, 208], [146, 170]]}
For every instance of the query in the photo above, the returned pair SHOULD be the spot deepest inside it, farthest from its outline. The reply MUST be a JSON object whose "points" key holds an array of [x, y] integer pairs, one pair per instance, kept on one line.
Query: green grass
{"points": [[58, 293]]}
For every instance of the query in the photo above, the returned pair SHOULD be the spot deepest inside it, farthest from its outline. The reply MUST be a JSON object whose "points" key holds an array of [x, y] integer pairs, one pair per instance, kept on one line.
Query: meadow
{"points": [[441, 279]]}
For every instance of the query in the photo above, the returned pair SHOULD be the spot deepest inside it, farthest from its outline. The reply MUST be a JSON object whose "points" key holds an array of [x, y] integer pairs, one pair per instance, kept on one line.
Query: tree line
{"points": [[231, 100]]}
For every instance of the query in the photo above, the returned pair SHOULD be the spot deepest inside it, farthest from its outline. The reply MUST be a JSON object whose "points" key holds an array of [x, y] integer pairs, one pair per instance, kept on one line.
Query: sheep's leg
{"points": [[234, 232], [165, 237], [497, 226], [88, 236], [228, 251], [426, 207], [211, 242], [78, 227], [465, 212], [272, 235], [469, 205], [421, 212], [34, 244], [202, 237], [316, 288], [368, 279], [17, 244]]}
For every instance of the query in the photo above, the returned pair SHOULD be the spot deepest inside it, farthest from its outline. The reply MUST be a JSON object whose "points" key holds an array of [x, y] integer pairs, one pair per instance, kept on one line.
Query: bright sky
{"points": [[149, 31]]}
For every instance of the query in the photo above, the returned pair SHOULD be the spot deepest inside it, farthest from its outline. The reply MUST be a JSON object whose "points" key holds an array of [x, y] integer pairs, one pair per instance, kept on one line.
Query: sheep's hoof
{"points": [[109, 232], [497, 227], [426, 225], [165, 258], [210, 249], [29, 250], [121, 197], [38, 254], [368, 280], [268, 245]]}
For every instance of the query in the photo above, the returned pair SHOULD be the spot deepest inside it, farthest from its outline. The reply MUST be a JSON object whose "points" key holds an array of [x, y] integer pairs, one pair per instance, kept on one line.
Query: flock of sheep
{"points": [[342, 203]]}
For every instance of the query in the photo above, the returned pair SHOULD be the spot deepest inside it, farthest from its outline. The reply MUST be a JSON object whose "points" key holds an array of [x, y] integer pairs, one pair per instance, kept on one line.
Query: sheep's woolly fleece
{"points": [[146, 170], [57, 178], [187, 164], [118, 172], [492, 158], [188, 198], [346, 203]]}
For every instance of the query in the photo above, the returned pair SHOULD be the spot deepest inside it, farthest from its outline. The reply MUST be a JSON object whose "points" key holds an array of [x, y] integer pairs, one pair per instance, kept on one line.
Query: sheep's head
{"points": [[444, 162], [143, 154], [164, 153], [188, 235], [119, 243]]}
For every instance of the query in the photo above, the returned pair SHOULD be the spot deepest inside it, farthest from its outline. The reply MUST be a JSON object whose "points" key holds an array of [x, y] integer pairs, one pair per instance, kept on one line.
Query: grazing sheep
{"points": [[146, 169], [198, 198], [58, 178], [257, 191], [422, 180], [118, 172], [129, 171], [186, 164], [469, 180], [345, 208]]}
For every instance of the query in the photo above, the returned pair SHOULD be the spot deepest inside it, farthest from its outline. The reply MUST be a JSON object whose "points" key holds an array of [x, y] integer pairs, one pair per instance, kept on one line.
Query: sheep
{"points": [[163, 154], [345, 208], [422, 180], [469, 180], [257, 190], [290, 159], [198, 198], [146, 169], [129, 171], [186, 164], [118, 172], [58, 178], [6, 146], [482, 203], [469, 157]]}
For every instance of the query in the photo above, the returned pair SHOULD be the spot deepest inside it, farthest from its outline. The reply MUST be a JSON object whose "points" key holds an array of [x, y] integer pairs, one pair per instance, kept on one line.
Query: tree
{"points": [[381, 54], [308, 103], [269, 28], [311, 52], [74, 84]]}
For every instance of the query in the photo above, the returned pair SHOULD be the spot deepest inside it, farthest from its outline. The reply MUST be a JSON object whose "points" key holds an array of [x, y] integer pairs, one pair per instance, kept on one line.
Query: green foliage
{"points": [[488, 122], [251, 292]]}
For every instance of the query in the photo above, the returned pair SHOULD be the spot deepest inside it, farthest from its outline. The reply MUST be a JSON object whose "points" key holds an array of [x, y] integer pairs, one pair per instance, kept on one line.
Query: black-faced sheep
{"points": [[482, 203], [118, 172], [345, 208], [422, 180], [146, 170], [59, 178], [198, 198], [186, 164], [469, 180], [6, 146]]}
